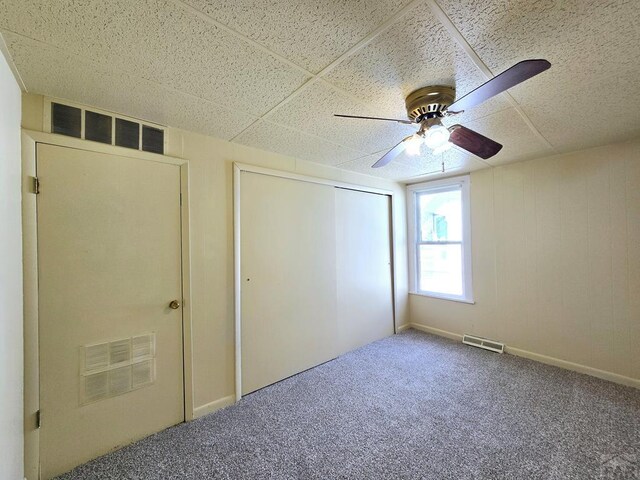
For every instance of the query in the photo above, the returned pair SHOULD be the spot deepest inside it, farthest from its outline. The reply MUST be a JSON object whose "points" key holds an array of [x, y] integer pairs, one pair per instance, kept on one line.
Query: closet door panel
{"points": [[288, 267], [364, 276]]}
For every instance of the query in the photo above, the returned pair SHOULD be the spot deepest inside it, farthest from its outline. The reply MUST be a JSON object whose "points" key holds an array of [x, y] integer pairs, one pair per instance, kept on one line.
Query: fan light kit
{"points": [[428, 105]]}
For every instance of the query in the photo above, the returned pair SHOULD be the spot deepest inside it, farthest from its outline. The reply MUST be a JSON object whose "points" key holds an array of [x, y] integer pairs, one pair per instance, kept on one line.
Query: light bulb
{"points": [[413, 145], [436, 136]]}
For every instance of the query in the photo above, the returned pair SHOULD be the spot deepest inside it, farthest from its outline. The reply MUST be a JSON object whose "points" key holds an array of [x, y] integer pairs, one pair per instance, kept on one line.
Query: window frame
{"points": [[413, 191]]}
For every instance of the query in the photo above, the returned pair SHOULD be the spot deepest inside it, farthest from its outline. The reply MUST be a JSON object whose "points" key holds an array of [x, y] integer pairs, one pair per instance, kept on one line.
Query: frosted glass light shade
{"points": [[436, 136], [413, 145]]}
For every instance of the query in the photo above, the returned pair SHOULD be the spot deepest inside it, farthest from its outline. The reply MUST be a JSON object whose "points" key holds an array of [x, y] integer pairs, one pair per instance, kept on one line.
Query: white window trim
{"points": [[441, 185]]}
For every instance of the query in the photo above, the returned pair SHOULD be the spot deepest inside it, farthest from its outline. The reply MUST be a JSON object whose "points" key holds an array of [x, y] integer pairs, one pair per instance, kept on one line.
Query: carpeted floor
{"points": [[412, 406]]}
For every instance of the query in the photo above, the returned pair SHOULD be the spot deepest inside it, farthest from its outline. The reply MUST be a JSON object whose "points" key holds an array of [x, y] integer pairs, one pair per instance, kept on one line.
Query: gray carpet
{"points": [[412, 406]]}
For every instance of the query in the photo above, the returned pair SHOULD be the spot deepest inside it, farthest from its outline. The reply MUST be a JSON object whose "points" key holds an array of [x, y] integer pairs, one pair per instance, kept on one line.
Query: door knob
{"points": [[175, 304]]}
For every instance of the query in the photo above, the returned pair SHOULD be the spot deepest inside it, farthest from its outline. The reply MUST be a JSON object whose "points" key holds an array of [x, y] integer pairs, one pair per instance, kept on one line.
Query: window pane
{"points": [[440, 269], [440, 216]]}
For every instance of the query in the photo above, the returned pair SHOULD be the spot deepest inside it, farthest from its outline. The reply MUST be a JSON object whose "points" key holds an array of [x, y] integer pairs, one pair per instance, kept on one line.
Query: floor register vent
{"points": [[483, 343]]}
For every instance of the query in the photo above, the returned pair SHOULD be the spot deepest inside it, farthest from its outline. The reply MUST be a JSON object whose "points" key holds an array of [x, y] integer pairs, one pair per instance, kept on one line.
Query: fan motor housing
{"points": [[429, 102]]}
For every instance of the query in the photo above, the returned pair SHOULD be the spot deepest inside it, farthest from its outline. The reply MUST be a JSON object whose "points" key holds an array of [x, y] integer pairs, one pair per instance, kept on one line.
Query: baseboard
{"points": [[576, 367], [213, 406], [435, 331], [556, 362], [402, 328]]}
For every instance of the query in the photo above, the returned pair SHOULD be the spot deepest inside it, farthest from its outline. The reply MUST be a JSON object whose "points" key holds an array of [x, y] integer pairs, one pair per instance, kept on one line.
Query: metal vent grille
{"points": [[152, 139], [66, 120], [425, 109], [127, 134], [117, 367], [484, 343], [98, 127], [106, 128]]}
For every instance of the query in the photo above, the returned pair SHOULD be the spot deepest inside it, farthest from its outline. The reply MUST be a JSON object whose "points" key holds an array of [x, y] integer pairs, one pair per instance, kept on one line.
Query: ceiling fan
{"points": [[427, 105]]}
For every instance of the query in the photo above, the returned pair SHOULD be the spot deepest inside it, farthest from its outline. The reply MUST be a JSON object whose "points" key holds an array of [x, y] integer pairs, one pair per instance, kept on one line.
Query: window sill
{"points": [[443, 297]]}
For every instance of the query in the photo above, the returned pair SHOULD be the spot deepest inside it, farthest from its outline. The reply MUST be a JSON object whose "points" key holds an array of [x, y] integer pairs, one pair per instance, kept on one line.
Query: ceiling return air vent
{"points": [[483, 343], [106, 128]]}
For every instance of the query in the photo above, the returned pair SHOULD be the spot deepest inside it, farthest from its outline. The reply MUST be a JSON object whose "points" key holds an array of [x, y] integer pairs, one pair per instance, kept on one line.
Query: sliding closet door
{"points": [[364, 286], [288, 267]]}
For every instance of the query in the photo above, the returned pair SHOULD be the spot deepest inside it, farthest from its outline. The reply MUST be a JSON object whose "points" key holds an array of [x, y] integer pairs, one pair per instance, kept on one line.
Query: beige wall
{"points": [[211, 190], [11, 438], [211, 203], [556, 259]]}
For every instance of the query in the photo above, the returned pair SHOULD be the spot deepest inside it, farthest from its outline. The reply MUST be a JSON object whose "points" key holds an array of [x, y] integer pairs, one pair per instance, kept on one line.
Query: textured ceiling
{"points": [[271, 73]]}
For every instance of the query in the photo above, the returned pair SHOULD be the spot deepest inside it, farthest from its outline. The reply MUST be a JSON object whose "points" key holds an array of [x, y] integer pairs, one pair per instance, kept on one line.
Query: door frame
{"points": [[238, 168], [30, 140]]}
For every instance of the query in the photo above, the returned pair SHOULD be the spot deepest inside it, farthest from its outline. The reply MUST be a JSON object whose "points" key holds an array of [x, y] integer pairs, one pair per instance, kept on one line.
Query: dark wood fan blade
{"points": [[473, 142], [407, 122], [391, 154], [513, 76]]}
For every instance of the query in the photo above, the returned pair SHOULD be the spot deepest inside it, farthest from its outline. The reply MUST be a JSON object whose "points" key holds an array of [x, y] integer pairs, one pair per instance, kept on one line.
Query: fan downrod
{"points": [[429, 102]]}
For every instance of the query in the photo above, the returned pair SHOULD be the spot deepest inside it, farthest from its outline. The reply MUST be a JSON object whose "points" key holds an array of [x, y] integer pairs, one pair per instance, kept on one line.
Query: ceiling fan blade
{"points": [[520, 72], [407, 122], [473, 142], [391, 154]]}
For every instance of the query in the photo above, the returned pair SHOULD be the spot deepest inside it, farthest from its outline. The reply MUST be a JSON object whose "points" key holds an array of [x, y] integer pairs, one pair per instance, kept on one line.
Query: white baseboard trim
{"points": [[402, 328], [556, 362], [576, 367], [435, 331], [213, 406]]}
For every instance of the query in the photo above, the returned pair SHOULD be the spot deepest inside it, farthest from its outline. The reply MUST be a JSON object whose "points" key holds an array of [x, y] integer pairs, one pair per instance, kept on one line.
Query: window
{"points": [[439, 239]]}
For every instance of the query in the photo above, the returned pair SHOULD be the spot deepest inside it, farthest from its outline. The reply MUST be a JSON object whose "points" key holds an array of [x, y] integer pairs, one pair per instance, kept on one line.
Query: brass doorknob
{"points": [[175, 304]]}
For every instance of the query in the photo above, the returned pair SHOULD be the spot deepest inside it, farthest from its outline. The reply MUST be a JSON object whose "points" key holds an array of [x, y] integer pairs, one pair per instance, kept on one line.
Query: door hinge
{"points": [[38, 419], [36, 185]]}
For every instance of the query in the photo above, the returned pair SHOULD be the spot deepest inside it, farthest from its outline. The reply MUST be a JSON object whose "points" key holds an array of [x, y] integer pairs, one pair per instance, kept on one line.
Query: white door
{"points": [[109, 264], [288, 278], [363, 268]]}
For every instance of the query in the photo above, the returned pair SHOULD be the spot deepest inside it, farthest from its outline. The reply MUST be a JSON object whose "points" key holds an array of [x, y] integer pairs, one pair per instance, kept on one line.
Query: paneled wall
{"points": [[556, 259]]}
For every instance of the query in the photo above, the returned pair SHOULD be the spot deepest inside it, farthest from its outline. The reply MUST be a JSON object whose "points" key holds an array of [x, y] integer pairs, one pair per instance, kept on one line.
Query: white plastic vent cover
{"points": [[483, 343], [117, 367]]}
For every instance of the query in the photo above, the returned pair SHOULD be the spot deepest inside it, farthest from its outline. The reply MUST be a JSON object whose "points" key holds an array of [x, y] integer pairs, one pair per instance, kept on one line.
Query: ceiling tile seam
{"points": [[282, 102], [318, 77], [376, 32], [415, 177], [254, 122], [4, 48], [361, 44], [207, 18], [471, 157], [90, 61], [313, 76], [457, 171], [486, 71], [328, 84], [293, 95], [312, 135]]}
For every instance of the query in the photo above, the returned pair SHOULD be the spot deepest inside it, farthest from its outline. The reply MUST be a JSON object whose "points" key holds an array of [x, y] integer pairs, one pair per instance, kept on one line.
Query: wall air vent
{"points": [[66, 120], [113, 368], [98, 127], [127, 134], [106, 128], [483, 343]]}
